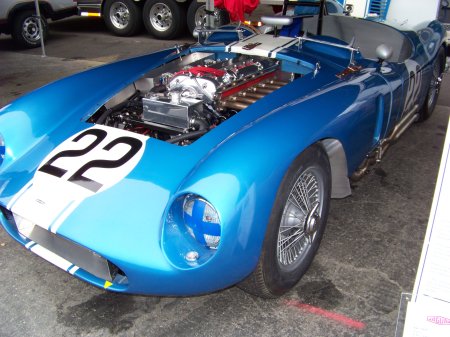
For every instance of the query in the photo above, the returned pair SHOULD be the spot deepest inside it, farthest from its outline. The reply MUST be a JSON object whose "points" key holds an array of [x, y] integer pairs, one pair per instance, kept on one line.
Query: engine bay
{"points": [[184, 99]]}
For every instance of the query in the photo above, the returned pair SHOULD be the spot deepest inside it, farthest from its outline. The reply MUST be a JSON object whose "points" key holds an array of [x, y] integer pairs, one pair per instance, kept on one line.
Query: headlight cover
{"points": [[202, 221], [192, 232]]}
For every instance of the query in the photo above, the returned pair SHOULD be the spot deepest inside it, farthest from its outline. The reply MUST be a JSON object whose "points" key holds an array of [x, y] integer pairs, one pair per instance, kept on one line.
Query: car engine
{"points": [[180, 103]]}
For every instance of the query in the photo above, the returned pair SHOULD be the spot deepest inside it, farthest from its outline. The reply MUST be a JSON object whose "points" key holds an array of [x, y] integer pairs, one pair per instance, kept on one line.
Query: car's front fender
{"points": [[242, 175]]}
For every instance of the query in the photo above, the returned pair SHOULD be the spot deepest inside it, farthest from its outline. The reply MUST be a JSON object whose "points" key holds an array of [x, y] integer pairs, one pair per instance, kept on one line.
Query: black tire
{"points": [[434, 87], [196, 15], [278, 270], [25, 29], [164, 19], [122, 17]]}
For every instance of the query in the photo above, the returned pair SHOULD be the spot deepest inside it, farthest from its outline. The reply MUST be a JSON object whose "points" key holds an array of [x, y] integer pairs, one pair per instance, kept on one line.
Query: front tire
{"points": [[434, 88], [122, 17], [25, 29], [164, 19], [296, 226]]}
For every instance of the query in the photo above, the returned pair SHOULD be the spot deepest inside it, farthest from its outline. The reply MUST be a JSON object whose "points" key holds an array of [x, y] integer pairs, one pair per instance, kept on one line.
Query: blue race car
{"points": [[199, 167]]}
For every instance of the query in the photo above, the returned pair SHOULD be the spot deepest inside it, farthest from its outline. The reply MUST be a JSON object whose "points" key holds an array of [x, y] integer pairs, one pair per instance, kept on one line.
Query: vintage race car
{"points": [[199, 167]]}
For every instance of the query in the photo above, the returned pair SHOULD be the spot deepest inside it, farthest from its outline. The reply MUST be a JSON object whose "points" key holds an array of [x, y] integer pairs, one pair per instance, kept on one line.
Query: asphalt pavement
{"points": [[368, 257]]}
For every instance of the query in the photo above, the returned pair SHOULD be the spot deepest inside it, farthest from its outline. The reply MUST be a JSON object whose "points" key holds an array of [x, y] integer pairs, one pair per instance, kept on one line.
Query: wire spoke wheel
{"points": [[300, 218], [435, 85], [296, 225]]}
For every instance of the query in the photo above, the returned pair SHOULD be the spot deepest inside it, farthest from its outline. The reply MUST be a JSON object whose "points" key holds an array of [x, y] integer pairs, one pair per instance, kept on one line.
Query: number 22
{"points": [[78, 177]]}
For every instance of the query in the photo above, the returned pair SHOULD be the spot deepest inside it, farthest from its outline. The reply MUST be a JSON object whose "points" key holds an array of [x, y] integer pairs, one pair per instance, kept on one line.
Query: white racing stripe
{"points": [[63, 212], [262, 45], [277, 50], [29, 244], [63, 216], [51, 257]]}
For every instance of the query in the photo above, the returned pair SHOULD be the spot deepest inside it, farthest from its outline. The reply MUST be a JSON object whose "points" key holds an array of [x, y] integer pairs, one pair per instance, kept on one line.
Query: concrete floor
{"points": [[368, 257]]}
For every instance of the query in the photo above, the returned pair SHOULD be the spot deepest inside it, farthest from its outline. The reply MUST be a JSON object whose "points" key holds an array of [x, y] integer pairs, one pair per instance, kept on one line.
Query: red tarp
{"points": [[237, 8]]}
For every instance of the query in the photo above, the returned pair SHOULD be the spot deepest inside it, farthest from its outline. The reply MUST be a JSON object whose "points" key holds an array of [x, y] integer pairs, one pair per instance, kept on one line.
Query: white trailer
{"points": [[412, 14], [403, 14]]}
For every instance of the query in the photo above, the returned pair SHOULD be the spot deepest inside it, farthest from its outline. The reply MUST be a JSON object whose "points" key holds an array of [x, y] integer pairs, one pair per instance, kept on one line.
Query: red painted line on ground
{"points": [[342, 319]]}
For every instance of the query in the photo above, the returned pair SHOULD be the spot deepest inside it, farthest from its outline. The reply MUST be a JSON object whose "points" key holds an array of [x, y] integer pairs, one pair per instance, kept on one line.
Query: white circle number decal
{"points": [[94, 143], [86, 164]]}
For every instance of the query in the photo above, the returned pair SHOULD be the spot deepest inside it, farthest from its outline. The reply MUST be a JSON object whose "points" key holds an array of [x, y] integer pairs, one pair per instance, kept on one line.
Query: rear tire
{"points": [[122, 17], [296, 226], [25, 29], [434, 87], [164, 19]]}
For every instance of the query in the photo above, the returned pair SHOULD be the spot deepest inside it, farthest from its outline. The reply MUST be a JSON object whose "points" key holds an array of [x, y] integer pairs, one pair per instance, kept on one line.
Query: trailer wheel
{"points": [[122, 17], [196, 15], [164, 19], [25, 29]]}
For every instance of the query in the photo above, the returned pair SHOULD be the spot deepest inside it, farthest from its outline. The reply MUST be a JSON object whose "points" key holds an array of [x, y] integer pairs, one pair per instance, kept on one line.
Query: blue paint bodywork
{"points": [[238, 166]]}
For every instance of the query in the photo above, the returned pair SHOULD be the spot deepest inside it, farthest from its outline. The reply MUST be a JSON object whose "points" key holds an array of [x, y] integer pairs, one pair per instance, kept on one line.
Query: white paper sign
{"points": [[428, 312]]}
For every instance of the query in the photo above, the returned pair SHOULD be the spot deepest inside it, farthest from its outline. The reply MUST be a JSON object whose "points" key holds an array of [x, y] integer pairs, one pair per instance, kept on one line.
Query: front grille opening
{"points": [[117, 274], [82, 257]]}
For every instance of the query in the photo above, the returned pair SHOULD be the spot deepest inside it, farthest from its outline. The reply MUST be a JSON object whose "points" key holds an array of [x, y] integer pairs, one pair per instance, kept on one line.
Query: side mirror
{"points": [[383, 53], [348, 9]]}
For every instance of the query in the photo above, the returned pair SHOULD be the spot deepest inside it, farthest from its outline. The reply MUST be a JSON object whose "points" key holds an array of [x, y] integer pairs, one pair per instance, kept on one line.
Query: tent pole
{"points": [[210, 13], [321, 12], [41, 32]]}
